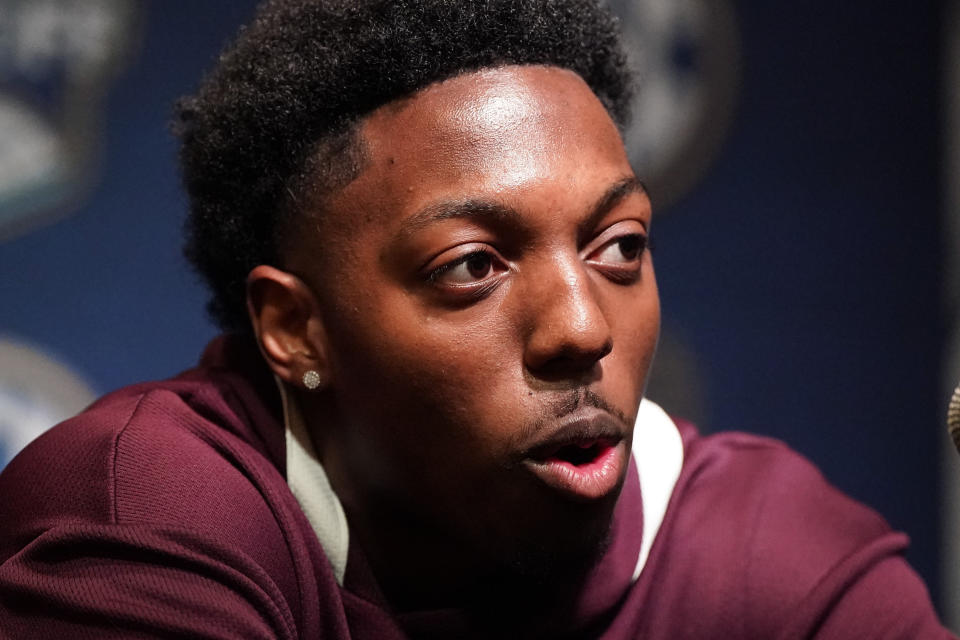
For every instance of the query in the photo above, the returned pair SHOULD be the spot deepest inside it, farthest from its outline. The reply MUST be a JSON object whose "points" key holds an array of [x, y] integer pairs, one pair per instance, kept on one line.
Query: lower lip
{"points": [[591, 481]]}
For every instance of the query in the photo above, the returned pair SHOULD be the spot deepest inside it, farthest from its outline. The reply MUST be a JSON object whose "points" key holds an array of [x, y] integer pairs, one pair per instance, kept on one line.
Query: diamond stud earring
{"points": [[311, 380]]}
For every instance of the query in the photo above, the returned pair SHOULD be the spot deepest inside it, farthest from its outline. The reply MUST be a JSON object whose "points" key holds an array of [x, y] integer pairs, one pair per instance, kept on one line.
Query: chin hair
{"points": [[543, 564], [556, 551], [535, 588], [543, 573]]}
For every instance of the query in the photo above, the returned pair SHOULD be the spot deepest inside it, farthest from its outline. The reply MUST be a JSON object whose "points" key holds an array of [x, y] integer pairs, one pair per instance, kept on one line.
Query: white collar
{"points": [[657, 449], [311, 487], [658, 452]]}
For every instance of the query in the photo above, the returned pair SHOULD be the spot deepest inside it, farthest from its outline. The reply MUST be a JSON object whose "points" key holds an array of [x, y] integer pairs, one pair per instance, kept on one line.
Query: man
{"points": [[420, 224]]}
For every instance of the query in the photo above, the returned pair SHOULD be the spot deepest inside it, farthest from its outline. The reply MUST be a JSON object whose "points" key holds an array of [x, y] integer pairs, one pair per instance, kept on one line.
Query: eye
{"points": [[620, 258], [623, 250], [470, 270]]}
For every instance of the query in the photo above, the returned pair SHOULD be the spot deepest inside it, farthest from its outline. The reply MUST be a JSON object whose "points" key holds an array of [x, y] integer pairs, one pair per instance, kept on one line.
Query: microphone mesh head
{"points": [[953, 417]]}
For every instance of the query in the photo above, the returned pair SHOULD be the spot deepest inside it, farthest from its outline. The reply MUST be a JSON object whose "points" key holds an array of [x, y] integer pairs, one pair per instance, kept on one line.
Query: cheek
{"points": [[636, 333], [445, 385]]}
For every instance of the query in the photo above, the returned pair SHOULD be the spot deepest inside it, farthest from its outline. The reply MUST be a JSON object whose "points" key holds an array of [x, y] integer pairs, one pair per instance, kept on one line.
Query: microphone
{"points": [[953, 417]]}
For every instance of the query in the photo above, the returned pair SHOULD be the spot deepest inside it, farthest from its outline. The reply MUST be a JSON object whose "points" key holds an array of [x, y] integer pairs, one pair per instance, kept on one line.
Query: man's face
{"points": [[491, 313]]}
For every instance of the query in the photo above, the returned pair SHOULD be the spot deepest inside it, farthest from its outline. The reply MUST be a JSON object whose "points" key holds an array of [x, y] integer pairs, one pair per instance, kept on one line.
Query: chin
{"points": [[539, 580], [552, 564], [557, 550]]}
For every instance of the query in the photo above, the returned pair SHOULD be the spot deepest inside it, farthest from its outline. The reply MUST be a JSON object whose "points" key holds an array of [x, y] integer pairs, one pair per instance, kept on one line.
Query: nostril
{"points": [[605, 349], [570, 362]]}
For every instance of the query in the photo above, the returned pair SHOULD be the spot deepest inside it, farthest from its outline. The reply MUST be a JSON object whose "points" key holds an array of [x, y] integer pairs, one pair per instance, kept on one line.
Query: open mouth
{"points": [[579, 454], [587, 469]]}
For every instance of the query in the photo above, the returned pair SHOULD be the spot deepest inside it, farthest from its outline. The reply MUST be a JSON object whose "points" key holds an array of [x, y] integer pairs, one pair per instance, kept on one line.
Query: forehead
{"points": [[496, 131], [511, 111]]}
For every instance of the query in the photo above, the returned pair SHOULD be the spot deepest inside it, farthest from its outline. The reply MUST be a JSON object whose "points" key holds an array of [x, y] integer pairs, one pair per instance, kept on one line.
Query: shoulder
{"points": [[163, 453], [754, 531], [65, 474], [775, 501], [168, 478], [170, 452]]}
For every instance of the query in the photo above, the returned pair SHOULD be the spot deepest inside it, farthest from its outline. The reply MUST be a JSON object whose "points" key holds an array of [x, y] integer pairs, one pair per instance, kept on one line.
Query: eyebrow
{"points": [[473, 208], [610, 199]]}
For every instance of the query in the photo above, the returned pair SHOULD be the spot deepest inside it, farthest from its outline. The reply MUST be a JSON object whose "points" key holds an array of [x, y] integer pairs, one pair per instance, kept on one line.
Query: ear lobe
{"points": [[287, 324]]}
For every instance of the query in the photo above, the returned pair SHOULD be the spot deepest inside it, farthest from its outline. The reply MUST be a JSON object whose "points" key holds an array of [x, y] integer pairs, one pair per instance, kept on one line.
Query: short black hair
{"points": [[276, 117]]}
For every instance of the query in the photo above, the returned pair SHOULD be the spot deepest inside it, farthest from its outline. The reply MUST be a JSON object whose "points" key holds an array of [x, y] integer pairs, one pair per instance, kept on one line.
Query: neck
{"points": [[416, 567]]}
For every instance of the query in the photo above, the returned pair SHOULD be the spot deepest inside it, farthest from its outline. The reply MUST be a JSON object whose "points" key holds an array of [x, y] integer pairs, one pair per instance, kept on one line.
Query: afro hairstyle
{"points": [[274, 124]]}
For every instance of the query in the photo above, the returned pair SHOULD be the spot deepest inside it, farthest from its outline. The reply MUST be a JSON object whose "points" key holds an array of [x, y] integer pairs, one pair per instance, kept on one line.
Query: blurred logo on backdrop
{"points": [[56, 60], [36, 392], [687, 56]]}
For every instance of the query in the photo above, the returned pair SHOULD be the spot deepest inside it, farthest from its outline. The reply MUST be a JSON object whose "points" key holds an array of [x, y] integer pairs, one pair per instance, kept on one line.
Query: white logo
{"points": [[686, 53], [56, 57], [36, 392]]}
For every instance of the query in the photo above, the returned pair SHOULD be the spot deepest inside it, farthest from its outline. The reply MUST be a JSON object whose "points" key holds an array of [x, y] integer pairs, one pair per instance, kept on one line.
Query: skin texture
{"points": [[481, 281]]}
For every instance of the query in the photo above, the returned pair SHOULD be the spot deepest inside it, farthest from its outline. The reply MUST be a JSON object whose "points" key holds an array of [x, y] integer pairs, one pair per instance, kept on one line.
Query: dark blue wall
{"points": [[805, 269], [803, 272]]}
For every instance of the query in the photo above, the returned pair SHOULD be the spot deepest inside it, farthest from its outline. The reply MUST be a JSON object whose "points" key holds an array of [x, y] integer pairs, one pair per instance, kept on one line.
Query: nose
{"points": [[568, 330]]}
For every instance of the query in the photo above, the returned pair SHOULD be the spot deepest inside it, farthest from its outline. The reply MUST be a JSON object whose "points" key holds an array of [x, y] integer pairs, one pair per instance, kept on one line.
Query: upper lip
{"points": [[584, 426]]}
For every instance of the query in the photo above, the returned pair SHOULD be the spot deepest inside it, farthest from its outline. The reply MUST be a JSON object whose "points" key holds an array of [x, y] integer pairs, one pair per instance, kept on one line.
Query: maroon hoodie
{"points": [[163, 510]]}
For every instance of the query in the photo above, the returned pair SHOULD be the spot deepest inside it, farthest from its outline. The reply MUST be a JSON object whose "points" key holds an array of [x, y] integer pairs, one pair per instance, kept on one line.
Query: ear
{"points": [[286, 321]]}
